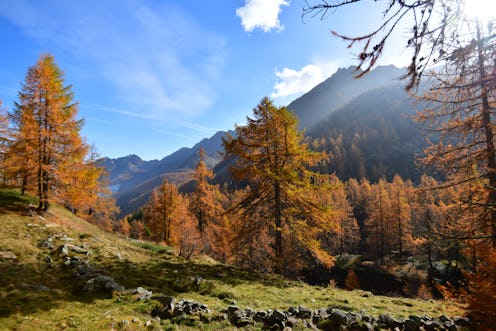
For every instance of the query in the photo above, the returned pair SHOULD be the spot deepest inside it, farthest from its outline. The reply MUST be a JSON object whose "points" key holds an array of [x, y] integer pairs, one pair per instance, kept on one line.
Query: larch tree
{"points": [[271, 157], [205, 205], [160, 212], [358, 194], [4, 139], [379, 222], [47, 133], [167, 202], [400, 196], [462, 99]]}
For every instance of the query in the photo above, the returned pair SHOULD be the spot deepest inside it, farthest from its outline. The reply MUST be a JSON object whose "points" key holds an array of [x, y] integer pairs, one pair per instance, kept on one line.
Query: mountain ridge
{"points": [[374, 110]]}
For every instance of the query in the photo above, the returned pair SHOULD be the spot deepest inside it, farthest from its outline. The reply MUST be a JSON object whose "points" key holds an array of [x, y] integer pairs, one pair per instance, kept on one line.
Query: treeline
{"points": [[381, 221], [43, 153]]}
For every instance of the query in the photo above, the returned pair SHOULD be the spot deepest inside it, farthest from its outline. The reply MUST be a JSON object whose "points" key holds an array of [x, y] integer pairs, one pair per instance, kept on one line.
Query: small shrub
{"points": [[351, 282], [424, 292]]}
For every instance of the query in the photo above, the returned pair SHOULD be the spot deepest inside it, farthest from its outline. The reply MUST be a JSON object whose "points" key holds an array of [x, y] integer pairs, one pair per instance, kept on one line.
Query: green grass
{"points": [[23, 306]]}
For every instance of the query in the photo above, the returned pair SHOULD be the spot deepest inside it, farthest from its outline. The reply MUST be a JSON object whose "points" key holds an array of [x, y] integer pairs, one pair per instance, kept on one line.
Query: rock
{"points": [[278, 315], [276, 320], [124, 323], [243, 321], [412, 324], [8, 256], [62, 251], [260, 316], [143, 294], [291, 322], [388, 321], [102, 283], [47, 243], [304, 312], [67, 261], [450, 326], [292, 311], [462, 321], [36, 288], [65, 238], [360, 326], [337, 317]]}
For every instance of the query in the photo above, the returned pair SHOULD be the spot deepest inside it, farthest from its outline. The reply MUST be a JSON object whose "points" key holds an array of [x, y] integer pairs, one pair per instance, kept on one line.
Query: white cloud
{"points": [[263, 14], [291, 82]]}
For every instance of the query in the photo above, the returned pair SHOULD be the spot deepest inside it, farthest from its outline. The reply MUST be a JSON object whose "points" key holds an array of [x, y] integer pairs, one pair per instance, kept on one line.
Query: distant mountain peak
{"points": [[316, 105]]}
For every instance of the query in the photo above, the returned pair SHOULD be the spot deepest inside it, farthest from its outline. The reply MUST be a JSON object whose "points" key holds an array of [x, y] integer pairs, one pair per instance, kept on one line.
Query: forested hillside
{"points": [[133, 179]]}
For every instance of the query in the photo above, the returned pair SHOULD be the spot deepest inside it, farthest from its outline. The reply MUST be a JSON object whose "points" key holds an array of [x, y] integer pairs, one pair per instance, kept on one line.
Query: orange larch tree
{"points": [[47, 133], [271, 157], [206, 206]]}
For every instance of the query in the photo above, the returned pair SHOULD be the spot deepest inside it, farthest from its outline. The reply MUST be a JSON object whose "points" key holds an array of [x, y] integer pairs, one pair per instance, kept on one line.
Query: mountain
{"points": [[339, 89], [133, 179], [372, 136], [365, 124]]}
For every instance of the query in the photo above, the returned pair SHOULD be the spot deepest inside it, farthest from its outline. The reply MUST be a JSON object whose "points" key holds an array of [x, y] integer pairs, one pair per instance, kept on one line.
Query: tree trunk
{"points": [[489, 135], [278, 229]]}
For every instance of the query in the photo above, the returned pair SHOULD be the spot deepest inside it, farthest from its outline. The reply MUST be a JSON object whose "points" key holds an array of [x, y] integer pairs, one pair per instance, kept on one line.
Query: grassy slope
{"points": [[23, 306]]}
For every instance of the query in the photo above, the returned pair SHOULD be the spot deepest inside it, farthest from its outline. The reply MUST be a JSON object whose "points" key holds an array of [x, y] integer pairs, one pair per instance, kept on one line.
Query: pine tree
{"points": [[47, 138], [271, 158]]}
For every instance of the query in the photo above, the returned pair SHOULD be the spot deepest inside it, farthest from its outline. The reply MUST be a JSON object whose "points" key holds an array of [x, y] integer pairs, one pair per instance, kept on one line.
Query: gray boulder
{"points": [[102, 284]]}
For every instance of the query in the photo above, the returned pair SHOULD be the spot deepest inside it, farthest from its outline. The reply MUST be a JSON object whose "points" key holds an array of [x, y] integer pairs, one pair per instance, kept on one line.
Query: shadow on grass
{"points": [[12, 200], [31, 288]]}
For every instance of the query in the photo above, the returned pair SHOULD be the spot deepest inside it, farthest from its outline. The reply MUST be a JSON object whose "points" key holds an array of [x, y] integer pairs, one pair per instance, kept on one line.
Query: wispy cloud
{"points": [[160, 62], [290, 81], [294, 82], [263, 14]]}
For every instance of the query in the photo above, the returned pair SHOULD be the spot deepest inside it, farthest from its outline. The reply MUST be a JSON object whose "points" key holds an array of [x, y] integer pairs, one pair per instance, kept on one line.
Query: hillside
{"points": [[60, 272], [372, 136]]}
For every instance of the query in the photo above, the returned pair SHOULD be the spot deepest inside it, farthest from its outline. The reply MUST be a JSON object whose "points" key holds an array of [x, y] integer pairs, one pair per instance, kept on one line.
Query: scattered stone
{"points": [[166, 301], [65, 238], [412, 324], [62, 250], [304, 318], [304, 312], [124, 323], [8, 256], [46, 243], [102, 283], [35, 288]]}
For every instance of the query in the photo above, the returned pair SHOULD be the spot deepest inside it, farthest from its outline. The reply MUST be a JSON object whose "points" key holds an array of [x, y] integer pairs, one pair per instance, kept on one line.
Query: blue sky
{"points": [[153, 76]]}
